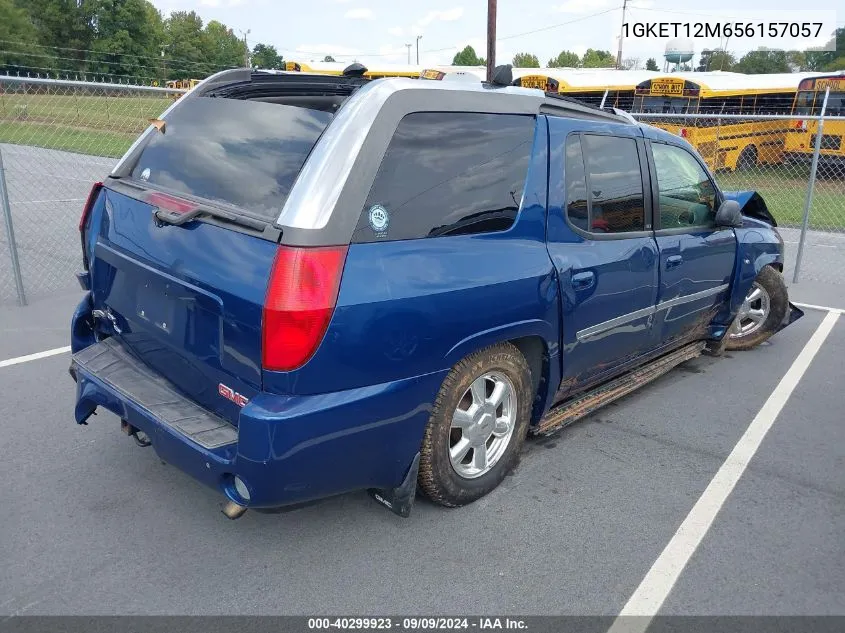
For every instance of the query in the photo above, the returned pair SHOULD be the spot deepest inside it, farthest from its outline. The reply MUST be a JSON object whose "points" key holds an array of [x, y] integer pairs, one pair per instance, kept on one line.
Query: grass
{"points": [[107, 126], [98, 125], [785, 190]]}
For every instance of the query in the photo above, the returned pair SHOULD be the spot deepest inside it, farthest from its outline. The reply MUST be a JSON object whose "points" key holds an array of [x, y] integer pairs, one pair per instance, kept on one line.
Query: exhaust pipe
{"points": [[233, 510]]}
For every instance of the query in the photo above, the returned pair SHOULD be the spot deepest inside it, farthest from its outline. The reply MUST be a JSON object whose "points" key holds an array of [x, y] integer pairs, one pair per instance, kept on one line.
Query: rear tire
{"points": [[747, 159], [477, 426], [761, 313]]}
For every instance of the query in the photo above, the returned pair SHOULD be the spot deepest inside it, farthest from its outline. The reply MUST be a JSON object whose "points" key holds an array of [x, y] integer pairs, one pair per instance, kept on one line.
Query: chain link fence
{"points": [[802, 183], [59, 137]]}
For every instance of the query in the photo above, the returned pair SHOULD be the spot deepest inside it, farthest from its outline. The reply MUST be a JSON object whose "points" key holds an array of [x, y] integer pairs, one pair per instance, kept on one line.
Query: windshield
{"points": [[244, 153], [810, 103]]}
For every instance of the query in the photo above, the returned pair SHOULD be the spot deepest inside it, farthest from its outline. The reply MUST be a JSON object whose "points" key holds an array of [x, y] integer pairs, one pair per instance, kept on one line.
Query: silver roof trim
{"points": [[315, 193]]}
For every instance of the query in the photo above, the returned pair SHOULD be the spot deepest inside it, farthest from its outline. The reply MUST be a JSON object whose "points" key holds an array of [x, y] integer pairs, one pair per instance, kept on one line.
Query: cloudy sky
{"points": [[376, 31]]}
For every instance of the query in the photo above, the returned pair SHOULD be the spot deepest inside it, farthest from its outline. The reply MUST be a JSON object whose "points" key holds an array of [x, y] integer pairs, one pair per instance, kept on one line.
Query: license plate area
{"points": [[155, 305]]}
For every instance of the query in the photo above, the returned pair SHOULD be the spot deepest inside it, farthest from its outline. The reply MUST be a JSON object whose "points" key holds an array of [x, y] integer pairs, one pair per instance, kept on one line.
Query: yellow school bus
{"points": [[182, 84], [336, 68], [723, 143], [597, 86], [801, 139]]}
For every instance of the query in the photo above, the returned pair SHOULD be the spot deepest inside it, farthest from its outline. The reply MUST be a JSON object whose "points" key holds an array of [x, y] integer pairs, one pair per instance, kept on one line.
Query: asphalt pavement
{"points": [[92, 524]]}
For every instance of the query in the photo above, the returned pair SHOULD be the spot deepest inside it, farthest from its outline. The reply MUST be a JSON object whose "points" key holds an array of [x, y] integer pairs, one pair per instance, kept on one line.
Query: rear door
{"points": [[181, 249], [601, 243], [696, 258]]}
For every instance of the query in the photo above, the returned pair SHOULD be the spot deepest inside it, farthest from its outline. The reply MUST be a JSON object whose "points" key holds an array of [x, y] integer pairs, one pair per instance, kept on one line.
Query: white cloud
{"points": [[582, 6], [396, 31], [359, 14], [448, 15]]}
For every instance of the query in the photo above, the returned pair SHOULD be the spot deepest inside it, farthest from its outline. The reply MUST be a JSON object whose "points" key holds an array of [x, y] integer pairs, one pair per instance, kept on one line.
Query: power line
{"points": [[74, 59], [88, 50], [451, 48]]}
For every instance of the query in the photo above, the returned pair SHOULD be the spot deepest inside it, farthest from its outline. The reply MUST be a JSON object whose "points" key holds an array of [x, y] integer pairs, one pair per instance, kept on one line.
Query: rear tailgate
{"points": [[186, 300], [179, 260]]}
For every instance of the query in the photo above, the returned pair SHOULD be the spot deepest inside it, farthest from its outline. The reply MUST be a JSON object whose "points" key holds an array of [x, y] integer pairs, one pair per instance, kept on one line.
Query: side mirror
{"points": [[729, 214]]}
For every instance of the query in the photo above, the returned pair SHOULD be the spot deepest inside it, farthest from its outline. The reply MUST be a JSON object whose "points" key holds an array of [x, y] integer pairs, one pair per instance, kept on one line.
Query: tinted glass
{"points": [[616, 188], [447, 173], [686, 197], [245, 153], [576, 185]]}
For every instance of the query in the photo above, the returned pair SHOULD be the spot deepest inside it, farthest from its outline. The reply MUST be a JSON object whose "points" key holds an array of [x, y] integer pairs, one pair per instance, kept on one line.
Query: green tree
{"points": [[63, 23], [18, 52], [128, 35], [836, 64], [651, 64], [525, 60], [597, 59], [467, 57], [185, 46], [716, 60], [266, 56], [762, 61], [826, 60], [565, 59], [223, 48], [328, 58]]}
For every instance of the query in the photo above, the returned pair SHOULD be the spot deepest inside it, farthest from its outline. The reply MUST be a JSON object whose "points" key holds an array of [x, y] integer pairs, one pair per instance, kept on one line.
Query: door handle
{"points": [[582, 281], [673, 261]]}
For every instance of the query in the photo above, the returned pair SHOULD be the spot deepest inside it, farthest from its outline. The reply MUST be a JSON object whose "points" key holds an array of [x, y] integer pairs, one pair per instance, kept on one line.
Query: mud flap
{"points": [[793, 313], [400, 499]]}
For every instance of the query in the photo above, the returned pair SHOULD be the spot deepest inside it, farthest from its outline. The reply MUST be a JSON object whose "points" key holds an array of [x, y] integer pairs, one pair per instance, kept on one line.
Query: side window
{"points": [[686, 197], [448, 173], [615, 184], [577, 209]]}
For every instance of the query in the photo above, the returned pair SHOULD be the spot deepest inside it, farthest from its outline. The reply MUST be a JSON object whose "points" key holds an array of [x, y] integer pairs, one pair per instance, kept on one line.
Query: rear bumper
{"points": [[287, 449]]}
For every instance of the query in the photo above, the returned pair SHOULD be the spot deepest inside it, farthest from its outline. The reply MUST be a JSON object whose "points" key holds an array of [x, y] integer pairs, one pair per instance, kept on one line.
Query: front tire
{"points": [[477, 426], [761, 313]]}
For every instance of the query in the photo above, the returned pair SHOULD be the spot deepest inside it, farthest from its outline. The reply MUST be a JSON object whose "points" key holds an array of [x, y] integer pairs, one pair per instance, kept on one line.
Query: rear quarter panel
{"points": [[416, 307]]}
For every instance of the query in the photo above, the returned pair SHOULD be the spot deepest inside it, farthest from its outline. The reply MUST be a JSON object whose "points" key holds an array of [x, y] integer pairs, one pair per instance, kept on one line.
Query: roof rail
{"points": [[568, 104], [625, 115]]}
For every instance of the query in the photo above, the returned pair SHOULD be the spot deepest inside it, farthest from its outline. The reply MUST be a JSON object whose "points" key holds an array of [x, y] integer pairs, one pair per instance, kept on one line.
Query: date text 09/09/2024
{"points": [[644, 30], [417, 623]]}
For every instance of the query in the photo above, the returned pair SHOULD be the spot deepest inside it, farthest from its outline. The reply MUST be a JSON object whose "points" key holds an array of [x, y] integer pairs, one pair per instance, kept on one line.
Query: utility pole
{"points": [[621, 32], [408, 46], [491, 38], [164, 61], [246, 48], [419, 37]]}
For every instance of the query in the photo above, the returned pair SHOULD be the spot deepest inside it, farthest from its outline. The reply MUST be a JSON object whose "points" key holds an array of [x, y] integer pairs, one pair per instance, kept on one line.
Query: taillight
{"points": [[89, 203], [684, 132], [300, 300], [83, 219]]}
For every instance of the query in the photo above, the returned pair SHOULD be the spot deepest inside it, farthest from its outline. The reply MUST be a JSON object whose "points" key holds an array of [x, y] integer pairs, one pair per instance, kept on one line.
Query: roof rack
{"points": [[625, 115], [585, 109]]}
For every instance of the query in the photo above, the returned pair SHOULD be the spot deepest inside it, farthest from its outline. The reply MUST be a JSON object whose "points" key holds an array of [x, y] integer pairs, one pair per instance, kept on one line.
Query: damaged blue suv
{"points": [[299, 285]]}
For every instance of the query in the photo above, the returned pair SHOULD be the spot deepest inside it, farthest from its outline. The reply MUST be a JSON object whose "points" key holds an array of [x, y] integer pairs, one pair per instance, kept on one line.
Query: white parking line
{"points": [[36, 356], [811, 306], [664, 573]]}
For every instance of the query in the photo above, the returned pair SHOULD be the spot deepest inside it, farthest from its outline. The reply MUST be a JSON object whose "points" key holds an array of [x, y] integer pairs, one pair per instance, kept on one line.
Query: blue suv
{"points": [[300, 285]]}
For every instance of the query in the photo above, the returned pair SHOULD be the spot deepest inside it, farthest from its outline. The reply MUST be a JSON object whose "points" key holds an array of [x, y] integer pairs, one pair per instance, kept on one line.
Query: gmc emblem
{"points": [[231, 394]]}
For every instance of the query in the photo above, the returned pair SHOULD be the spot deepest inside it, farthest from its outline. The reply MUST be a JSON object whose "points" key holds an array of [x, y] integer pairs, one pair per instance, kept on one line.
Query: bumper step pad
{"points": [[109, 362]]}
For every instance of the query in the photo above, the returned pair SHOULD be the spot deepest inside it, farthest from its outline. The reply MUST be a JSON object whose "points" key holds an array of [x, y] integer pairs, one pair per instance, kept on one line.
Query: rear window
{"points": [[244, 153], [449, 173]]}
